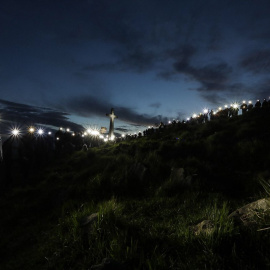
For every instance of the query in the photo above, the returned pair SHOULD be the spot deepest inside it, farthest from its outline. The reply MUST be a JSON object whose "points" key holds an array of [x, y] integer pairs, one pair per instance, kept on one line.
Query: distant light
{"points": [[68, 130], [40, 131], [235, 105], [249, 102], [219, 108], [101, 136], [61, 128], [105, 139], [73, 134], [57, 138], [31, 130], [50, 133], [95, 133], [15, 132], [226, 106], [188, 119], [82, 135], [205, 111], [194, 115], [169, 122], [123, 135], [244, 101]]}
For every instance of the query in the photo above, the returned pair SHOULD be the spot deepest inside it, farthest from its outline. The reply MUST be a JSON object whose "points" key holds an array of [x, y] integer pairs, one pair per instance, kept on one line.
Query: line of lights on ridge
{"points": [[96, 133]]}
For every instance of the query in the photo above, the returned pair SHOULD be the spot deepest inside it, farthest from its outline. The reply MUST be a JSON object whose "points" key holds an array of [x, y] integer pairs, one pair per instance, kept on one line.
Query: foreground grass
{"points": [[143, 221]]}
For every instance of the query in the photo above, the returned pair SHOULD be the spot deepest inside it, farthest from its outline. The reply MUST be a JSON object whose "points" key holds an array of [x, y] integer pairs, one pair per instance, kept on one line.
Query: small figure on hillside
{"points": [[231, 111], [243, 107], [211, 114], [258, 104], [205, 115], [250, 106], [265, 103]]}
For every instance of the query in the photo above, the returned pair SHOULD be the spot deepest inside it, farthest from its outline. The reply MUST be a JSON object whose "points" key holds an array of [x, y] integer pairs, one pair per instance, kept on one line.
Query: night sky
{"points": [[67, 63]]}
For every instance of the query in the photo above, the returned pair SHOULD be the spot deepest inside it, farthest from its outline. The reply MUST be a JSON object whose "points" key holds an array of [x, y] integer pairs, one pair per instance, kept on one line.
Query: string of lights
{"points": [[97, 133]]}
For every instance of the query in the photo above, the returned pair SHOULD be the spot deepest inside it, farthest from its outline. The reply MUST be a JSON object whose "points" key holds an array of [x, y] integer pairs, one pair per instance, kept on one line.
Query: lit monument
{"points": [[112, 117]]}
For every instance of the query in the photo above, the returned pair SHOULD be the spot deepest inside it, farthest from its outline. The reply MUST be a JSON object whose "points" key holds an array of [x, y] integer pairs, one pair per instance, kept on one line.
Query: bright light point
{"points": [[194, 115], [49, 133], [214, 113], [73, 134], [82, 135], [244, 101], [15, 132], [89, 130], [219, 108], [105, 139], [149, 127], [123, 135], [31, 130], [57, 138], [40, 131], [187, 119], [95, 133], [226, 106], [235, 105], [205, 111], [101, 136], [169, 122], [68, 130], [250, 102], [61, 128]]}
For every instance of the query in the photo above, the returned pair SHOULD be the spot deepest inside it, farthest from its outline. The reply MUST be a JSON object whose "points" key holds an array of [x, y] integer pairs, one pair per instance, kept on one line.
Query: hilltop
{"points": [[137, 202]]}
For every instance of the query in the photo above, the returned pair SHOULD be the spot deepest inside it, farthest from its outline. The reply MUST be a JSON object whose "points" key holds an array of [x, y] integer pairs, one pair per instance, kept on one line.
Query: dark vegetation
{"points": [[144, 214]]}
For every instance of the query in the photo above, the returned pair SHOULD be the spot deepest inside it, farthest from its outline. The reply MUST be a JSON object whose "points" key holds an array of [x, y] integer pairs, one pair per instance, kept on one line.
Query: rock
{"points": [[246, 214], [138, 171], [204, 227], [89, 220], [178, 175], [109, 264]]}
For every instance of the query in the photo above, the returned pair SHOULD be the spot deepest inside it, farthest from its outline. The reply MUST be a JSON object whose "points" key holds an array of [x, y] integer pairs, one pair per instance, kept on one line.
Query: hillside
{"points": [[137, 202]]}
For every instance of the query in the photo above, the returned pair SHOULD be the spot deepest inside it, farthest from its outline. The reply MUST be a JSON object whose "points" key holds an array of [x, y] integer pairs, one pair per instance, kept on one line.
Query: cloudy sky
{"points": [[68, 62]]}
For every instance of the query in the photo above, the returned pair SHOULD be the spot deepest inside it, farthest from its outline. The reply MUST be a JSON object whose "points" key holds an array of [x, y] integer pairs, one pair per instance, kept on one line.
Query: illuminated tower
{"points": [[112, 117]]}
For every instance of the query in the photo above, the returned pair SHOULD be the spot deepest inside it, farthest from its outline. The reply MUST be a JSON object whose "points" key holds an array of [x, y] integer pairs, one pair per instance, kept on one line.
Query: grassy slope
{"points": [[144, 224]]}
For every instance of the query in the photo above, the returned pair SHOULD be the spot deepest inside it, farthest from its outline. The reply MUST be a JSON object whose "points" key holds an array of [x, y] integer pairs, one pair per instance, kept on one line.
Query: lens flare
{"points": [[40, 132], [15, 132]]}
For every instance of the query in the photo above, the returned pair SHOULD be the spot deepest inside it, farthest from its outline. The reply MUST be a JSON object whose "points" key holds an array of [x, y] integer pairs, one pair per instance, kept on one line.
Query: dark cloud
{"points": [[88, 106], [257, 62], [30, 115], [213, 98], [122, 129], [155, 105], [213, 77]]}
